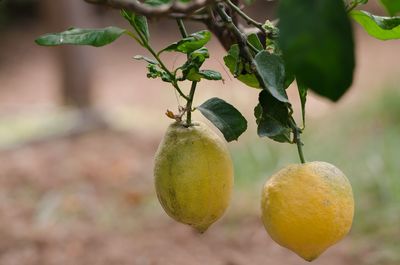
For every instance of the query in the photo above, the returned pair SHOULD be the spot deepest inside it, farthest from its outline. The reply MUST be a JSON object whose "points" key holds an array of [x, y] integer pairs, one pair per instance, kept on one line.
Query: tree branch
{"points": [[177, 9], [151, 11], [249, 20]]}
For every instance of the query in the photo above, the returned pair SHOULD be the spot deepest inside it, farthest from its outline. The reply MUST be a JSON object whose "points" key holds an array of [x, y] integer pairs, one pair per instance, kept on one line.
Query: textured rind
{"points": [[193, 175], [308, 207]]}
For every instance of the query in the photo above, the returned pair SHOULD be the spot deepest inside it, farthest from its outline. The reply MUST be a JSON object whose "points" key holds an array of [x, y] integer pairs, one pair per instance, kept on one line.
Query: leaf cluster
{"points": [[312, 44]]}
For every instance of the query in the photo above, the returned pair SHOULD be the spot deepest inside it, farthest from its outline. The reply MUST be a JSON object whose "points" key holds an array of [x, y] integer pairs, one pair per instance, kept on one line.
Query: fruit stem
{"points": [[189, 104], [189, 100], [297, 139]]}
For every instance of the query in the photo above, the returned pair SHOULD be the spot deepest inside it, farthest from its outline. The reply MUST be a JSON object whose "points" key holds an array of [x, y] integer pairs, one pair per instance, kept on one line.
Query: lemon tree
{"points": [[310, 46]]}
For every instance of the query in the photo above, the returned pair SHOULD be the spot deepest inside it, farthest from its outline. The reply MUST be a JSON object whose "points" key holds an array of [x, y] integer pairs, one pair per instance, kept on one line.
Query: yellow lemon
{"points": [[307, 207], [193, 175]]}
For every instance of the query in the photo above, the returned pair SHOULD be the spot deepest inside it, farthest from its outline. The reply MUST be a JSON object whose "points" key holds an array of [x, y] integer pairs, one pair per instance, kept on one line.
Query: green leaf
{"points": [[196, 59], [272, 70], [383, 28], [196, 75], [141, 22], [255, 41], [191, 74], [225, 117], [210, 75], [144, 58], [138, 22], [191, 43], [154, 71], [272, 117], [303, 98], [75, 36], [200, 54], [317, 44], [289, 78], [190, 69], [238, 69], [391, 6]]}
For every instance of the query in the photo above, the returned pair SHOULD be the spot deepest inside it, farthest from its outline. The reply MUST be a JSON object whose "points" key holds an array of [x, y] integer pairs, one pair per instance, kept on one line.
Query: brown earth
{"points": [[89, 200]]}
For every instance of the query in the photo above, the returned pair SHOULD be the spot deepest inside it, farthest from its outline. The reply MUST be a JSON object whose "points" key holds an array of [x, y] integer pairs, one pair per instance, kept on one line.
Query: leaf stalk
{"points": [[189, 101]]}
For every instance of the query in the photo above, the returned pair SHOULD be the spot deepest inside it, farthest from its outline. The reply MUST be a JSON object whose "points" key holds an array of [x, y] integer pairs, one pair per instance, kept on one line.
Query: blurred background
{"points": [[79, 127]]}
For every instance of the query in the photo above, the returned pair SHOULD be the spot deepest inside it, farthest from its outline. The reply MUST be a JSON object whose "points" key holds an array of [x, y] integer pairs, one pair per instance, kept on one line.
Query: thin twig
{"points": [[241, 39], [189, 101], [248, 19]]}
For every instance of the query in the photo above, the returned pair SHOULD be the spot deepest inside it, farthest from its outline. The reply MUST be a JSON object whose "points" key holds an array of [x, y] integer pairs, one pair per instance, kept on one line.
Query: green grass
{"points": [[364, 142]]}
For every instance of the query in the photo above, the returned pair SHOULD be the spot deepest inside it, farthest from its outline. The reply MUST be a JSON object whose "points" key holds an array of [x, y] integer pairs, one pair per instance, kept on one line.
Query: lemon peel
{"points": [[193, 175], [307, 207]]}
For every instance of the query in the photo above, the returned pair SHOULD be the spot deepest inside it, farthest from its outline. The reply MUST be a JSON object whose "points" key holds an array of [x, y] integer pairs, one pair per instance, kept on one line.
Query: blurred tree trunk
{"points": [[76, 62]]}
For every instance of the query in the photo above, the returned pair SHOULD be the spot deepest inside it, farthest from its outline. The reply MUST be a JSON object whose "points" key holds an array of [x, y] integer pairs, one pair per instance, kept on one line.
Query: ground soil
{"points": [[89, 200]]}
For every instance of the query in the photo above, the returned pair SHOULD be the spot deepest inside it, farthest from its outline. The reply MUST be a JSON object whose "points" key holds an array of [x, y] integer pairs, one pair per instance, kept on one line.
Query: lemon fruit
{"points": [[307, 207], [193, 175]]}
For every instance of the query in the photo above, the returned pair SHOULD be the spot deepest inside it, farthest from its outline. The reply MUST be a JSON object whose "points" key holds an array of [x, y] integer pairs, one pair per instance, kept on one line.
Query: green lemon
{"points": [[193, 175]]}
